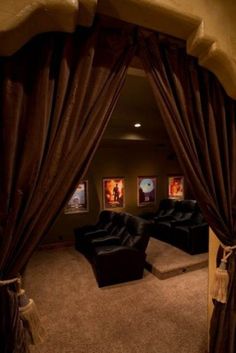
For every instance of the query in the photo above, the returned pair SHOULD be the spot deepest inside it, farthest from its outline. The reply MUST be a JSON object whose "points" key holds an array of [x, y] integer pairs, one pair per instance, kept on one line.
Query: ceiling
{"points": [[136, 104]]}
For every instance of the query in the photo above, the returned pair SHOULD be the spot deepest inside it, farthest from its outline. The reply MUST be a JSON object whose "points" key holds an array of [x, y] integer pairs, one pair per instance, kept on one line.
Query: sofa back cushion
{"points": [[167, 204], [137, 233], [184, 209], [105, 219]]}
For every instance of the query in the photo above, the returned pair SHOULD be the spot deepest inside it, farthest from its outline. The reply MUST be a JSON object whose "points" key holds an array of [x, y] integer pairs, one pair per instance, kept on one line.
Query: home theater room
{"points": [[117, 212]]}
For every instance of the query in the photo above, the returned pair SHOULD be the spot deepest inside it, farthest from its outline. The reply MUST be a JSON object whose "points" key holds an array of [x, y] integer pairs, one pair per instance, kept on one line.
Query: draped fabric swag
{"points": [[201, 121], [57, 94]]}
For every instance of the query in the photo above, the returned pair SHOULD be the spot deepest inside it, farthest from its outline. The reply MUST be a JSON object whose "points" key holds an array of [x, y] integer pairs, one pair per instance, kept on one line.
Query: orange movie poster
{"points": [[113, 192], [176, 187]]}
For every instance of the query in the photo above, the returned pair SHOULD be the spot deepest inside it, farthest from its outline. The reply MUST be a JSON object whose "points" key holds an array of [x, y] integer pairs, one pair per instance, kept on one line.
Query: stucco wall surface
{"points": [[208, 26]]}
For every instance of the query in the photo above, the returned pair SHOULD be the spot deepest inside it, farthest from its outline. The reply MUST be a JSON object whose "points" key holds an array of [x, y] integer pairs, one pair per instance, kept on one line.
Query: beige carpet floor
{"points": [[165, 260], [144, 316]]}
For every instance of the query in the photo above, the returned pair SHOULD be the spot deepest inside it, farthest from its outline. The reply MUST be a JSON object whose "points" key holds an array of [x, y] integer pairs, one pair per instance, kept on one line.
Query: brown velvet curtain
{"points": [[56, 96], [201, 121]]}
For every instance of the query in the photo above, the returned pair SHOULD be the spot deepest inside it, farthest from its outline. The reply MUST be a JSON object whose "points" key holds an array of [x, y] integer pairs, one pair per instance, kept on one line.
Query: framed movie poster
{"points": [[79, 200], [176, 187], [113, 192], [146, 191]]}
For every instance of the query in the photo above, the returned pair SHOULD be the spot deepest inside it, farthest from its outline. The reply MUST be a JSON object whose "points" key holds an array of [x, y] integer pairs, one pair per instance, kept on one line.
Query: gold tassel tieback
{"points": [[219, 289], [28, 313], [30, 317]]}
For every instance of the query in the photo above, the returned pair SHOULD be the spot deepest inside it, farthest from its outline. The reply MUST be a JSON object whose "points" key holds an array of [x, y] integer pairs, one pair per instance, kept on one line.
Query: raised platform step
{"points": [[165, 261]]}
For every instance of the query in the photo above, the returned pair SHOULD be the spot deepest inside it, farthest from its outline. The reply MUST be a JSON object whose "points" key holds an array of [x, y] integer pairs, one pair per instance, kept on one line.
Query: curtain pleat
{"points": [[56, 97], [200, 119], [11, 326]]}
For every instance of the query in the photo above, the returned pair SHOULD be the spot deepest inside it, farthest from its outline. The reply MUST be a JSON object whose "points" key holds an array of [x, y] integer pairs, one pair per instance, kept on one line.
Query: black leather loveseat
{"points": [[192, 235], [165, 209], [182, 226], [116, 250], [104, 226]]}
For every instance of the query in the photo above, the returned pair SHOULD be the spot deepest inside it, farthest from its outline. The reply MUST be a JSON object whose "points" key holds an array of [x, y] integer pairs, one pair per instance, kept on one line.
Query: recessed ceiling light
{"points": [[137, 125]]}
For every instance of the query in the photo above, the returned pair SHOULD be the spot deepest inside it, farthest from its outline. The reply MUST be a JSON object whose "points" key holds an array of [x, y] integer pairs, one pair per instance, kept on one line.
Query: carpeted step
{"points": [[165, 261]]}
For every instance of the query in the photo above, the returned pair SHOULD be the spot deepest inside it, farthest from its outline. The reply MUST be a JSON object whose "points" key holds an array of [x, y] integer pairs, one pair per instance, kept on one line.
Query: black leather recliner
{"points": [[119, 255], [192, 235], [101, 228], [124, 262], [182, 212], [165, 209], [113, 235]]}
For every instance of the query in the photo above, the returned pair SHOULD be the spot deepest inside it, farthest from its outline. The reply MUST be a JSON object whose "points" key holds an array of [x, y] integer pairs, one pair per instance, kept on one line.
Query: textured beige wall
{"points": [[20, 20], [209, 27], [213, 248]]}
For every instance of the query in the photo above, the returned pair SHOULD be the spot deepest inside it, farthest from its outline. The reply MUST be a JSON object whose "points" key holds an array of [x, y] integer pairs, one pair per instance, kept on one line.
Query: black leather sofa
{"points": [[103, 224], [182, 211], [103, 227], [116, 252], [192, 235], [165, 209], [184, 227]]}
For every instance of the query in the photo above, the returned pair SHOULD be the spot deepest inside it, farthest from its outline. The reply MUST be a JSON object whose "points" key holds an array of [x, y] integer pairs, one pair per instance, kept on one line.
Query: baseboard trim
{"points": [[56, 245]]}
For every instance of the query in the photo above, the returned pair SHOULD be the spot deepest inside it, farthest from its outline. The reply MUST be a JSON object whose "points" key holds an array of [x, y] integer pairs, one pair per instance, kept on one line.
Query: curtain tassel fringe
{"points": [[30, 317], [219, 290], [220, 284]]}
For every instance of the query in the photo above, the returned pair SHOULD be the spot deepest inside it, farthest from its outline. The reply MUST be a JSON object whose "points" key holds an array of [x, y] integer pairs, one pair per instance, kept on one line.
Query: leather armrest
{"points": [[163, 218], [96, 234], [107, 240], [175, 223], [85, 229], [199, 226], [113, 249], [147, 215]]}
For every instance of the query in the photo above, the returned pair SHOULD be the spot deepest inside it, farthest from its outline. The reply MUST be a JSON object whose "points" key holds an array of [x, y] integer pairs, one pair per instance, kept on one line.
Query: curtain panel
{"points": [[201, 121], [56, 96]]}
